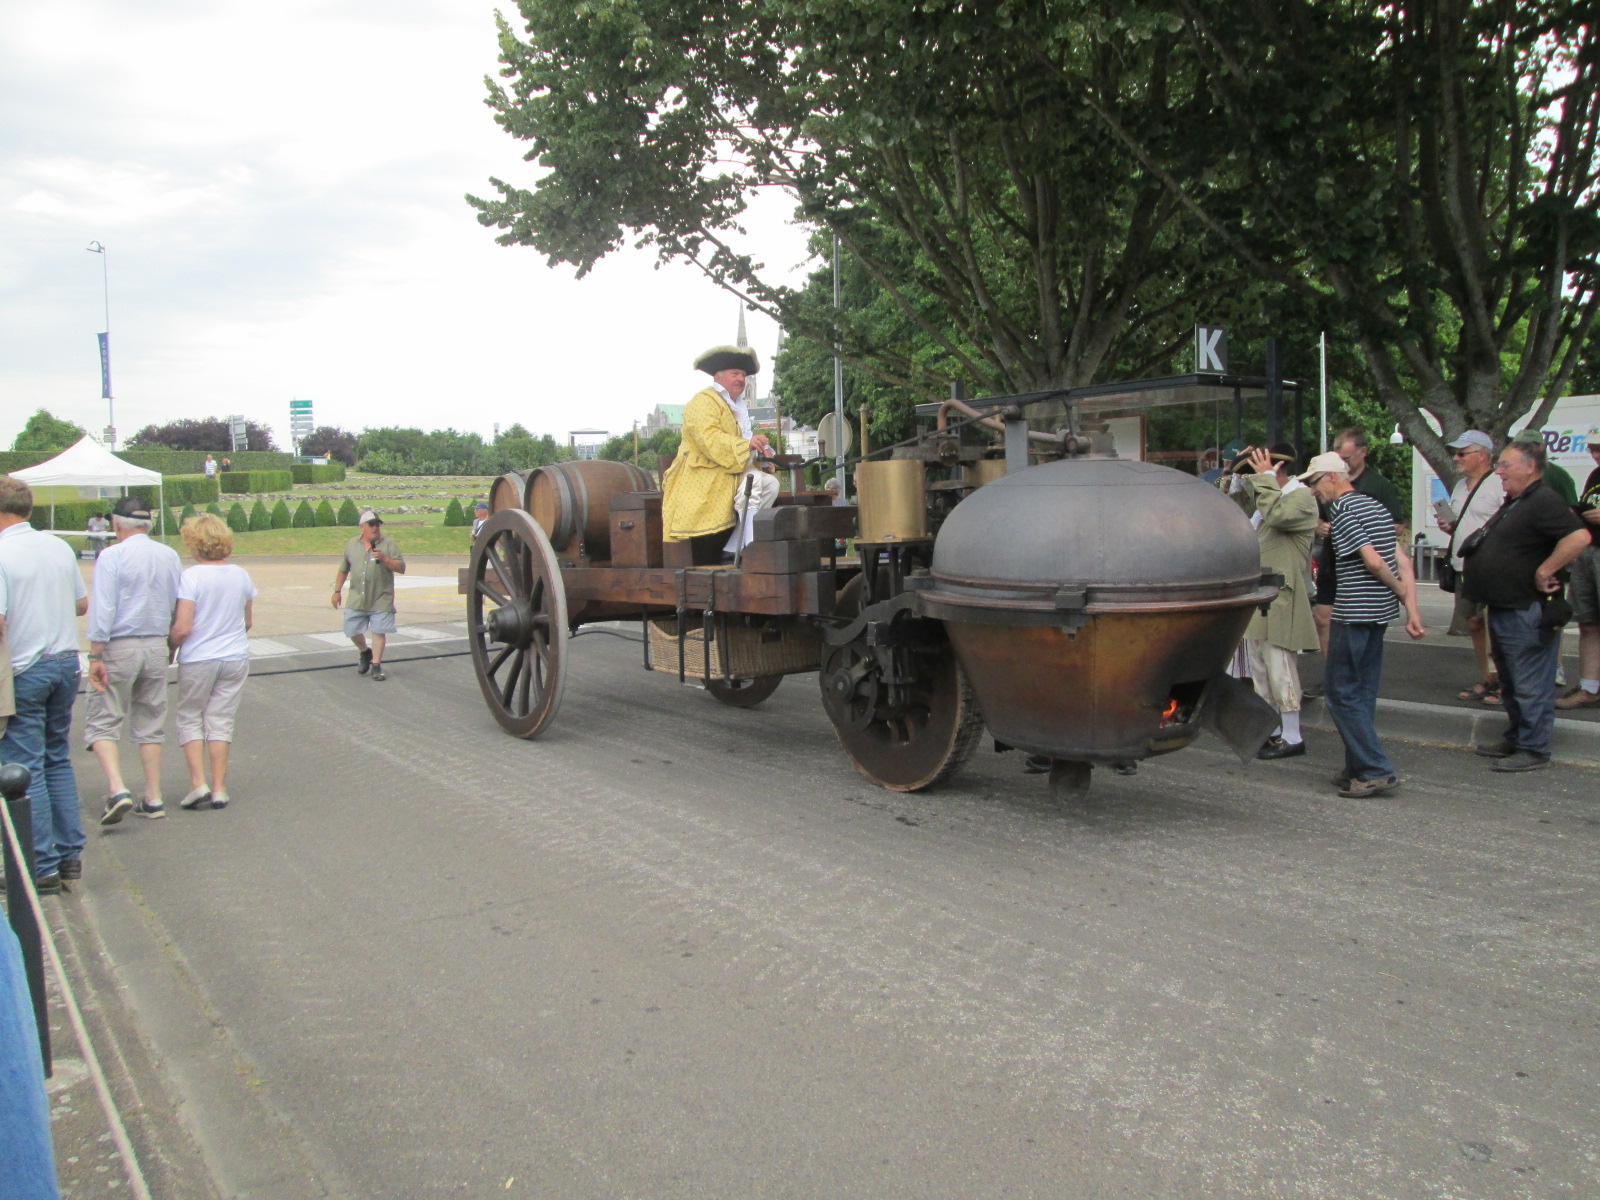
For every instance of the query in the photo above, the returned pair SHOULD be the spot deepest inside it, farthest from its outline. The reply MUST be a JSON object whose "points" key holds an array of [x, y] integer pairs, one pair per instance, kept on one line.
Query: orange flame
{"points": [[1171, 711]]}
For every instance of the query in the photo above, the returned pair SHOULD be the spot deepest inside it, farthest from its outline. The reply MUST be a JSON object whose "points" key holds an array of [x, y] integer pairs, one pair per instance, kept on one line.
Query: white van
{"points": [[1566, 440]]}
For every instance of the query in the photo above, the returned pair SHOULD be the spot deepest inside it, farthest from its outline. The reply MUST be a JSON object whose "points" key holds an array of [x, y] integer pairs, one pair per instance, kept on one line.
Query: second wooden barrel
{"points": [[509, 490], [573, 500]]}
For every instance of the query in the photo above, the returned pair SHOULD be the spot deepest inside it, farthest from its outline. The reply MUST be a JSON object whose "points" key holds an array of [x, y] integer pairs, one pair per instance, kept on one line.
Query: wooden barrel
{"points": [[509, 490], [573, 500]]}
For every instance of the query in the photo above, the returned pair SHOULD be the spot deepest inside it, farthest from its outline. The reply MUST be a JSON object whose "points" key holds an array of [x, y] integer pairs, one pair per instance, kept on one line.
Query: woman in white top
{"points": [[215, 601]]}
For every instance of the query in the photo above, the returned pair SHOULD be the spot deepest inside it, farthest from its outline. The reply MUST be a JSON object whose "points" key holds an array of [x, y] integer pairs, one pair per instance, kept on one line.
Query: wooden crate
{"points": [[754, 648]]}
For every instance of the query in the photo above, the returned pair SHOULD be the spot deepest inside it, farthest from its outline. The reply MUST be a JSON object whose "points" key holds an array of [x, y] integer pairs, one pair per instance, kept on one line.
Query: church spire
{"points": [[743, 339]]}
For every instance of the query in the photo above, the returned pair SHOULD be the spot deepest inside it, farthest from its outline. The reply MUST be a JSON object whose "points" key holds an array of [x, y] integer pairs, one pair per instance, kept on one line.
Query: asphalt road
{"points": [[675, 950]]}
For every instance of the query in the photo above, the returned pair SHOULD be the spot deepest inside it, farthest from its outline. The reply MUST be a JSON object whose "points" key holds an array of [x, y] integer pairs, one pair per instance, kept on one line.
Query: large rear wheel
{"points": [[517, 622], [743, 693]]}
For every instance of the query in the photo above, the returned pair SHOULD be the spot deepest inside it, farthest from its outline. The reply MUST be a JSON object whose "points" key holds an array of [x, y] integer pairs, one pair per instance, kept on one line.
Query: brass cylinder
{"points": [[985, 470], [892, 499]]}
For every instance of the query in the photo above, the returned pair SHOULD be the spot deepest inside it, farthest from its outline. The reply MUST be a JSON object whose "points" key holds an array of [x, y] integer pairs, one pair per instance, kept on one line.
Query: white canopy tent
{"points": [[89, 464]]}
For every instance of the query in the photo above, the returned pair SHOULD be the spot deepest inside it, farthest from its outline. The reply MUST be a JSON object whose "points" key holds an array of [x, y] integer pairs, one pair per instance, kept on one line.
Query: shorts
{"points": [[1465, 609], [1584, 591], [136, 695], [208, 698], [359, 621]]}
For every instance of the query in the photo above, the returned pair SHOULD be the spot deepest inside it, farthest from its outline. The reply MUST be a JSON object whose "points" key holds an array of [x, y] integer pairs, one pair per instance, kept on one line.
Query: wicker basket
{"points": [[753, 649]]}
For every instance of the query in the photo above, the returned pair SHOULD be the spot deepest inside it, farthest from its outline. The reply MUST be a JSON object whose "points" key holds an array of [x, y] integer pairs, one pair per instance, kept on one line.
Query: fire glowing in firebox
{"points": [[1170, 713]]}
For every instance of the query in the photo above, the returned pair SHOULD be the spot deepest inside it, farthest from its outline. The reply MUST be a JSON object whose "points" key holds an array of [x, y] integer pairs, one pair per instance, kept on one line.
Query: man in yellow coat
{"points": [[707, 486], [1285, 517]]}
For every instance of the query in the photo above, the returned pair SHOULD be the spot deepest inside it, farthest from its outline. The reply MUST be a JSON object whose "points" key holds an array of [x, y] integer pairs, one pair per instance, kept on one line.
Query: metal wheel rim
{"points": [[517, 622]]}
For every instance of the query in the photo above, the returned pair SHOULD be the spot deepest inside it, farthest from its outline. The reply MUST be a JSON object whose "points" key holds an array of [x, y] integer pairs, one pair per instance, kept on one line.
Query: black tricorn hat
{"points": [[722, 358], [1282, 452]]}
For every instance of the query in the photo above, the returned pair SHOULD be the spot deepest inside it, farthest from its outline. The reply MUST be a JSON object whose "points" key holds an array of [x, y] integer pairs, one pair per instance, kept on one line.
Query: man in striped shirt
{"points": [[1373, 581]]}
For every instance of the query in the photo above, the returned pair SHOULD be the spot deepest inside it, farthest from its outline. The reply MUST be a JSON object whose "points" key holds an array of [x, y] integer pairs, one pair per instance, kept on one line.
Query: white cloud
{"points": [[281, 192]]}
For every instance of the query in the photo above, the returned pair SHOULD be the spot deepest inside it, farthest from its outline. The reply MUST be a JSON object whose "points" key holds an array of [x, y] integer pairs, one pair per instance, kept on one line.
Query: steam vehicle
{"points": [[1028, 583]]}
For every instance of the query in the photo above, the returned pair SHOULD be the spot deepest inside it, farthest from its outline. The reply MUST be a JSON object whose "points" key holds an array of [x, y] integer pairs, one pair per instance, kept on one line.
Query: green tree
{"points": [[453, 515], [1023, 243], [189, 512], [281, 519], [215, 510], [260, 518], [349, 515], [46, 432], [238, 519], [513, 432], [325, 514], [305, 517]]}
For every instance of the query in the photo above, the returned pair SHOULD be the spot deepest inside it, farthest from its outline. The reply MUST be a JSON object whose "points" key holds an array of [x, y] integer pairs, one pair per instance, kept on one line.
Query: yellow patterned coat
{"points": [[700, 485]]}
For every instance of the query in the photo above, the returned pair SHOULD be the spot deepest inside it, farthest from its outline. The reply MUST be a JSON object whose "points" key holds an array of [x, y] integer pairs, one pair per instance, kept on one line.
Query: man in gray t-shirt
{"points": [[370, 563]]}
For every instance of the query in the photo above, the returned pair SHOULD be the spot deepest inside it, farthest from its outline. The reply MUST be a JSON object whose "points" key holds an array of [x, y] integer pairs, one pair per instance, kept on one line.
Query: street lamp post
{"points": [[105, 348]]}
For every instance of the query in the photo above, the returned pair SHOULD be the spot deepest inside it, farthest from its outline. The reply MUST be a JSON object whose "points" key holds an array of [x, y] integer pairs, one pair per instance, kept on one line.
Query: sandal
{"points": [[1483, 693]]}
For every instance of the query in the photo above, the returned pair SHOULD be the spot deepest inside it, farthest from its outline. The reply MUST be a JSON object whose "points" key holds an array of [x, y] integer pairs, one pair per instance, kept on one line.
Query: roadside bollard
{"points": [[18, 859]]}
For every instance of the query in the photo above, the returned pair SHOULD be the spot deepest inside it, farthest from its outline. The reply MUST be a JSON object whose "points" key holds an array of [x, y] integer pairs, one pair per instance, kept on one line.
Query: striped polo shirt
{"points": [[1362, 598]]}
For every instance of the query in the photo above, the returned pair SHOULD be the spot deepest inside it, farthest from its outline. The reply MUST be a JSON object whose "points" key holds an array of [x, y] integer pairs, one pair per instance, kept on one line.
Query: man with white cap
{"points": [[371, 561], [1374, 580], [1585, 590], [714, 483], [1476, 497], [130, 612]]}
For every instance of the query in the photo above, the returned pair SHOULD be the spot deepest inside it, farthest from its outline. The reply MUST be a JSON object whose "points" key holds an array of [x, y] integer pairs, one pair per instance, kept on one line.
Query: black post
{"points": [[1300, 419], [14, 782], [1238, 420], [1274, 391]]}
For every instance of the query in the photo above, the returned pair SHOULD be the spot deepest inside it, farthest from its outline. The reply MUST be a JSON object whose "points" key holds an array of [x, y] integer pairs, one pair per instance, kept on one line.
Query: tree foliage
{"points": [[330, 441], [45, 431], [207, 433]]}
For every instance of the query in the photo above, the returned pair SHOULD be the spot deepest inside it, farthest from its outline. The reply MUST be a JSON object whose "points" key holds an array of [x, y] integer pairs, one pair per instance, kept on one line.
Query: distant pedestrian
{"points": [[480, 514], [41, 597], [1585, 591], [227, 463], [1476, 497], [130, 615], [1516, 570], [99, 527], [210, 467], [216, 603], [371, 561], [1374, 582]]}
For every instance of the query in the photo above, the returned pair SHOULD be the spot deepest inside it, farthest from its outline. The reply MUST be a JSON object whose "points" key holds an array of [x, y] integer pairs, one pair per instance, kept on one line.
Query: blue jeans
{"points": [[27, 1167], [1350, 689], [37, 738], [1527, 666]]}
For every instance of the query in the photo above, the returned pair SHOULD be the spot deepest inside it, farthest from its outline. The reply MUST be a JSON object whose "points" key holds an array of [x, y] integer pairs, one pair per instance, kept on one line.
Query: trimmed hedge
{"points": [[305, 517], [189, 511], [193, 462], [349, 514], [238, 519], [260, 518], [17, 460], [253, 483], [178, 489], [453, 513], [215, 510], [280, 516], [317, 473], [324, 514]]}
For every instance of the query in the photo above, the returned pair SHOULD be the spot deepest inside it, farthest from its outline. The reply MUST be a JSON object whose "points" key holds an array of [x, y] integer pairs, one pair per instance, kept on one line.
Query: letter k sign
{"points": [[1210, 348]]}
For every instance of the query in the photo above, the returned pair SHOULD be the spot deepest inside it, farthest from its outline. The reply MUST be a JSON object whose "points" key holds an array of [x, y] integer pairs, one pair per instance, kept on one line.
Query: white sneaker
{"points": [[199, 798], [219, 799]]}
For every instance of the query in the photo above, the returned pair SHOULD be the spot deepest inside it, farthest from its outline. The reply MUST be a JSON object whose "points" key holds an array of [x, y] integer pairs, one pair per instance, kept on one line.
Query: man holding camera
{"points": [[1513, 565]]}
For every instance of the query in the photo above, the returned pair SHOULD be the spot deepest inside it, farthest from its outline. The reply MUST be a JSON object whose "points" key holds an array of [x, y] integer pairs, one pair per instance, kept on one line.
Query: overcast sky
{"points": [[279, 187]]}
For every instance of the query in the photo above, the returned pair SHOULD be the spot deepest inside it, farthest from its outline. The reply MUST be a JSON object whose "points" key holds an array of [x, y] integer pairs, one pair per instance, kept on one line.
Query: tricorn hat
{"points": [[1281, 452], [722, 358]]}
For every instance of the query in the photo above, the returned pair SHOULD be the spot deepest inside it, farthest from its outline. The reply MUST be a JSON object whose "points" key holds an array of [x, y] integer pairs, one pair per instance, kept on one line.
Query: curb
{"points": [[1442, 725]]}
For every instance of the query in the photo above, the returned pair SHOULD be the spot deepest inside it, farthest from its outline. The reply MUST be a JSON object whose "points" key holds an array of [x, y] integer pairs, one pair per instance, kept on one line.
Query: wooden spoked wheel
{"points": [[517, 622], [744, 693], [914, 744]]}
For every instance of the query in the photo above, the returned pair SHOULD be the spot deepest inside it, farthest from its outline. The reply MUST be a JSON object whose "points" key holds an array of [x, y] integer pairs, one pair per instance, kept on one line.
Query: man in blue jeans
{"points": [[41, 597], [1374, 580], [1525, 545]]}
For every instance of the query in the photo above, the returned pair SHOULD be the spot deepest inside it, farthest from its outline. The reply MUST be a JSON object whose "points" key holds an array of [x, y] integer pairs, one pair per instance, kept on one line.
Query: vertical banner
{"points": [[105, 365]]}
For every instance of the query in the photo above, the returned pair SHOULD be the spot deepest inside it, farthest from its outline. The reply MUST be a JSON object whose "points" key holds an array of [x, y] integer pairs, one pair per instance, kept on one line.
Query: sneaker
{"points": [[377, 673], [1501, 749], [199, 798], [366, 662], [150, 808], [1522, 760], [116, 808], [71, 868], [1313, 692], [1578, 698], [1361, 789], [48, 885], [219, 799], [1340, 781]]}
